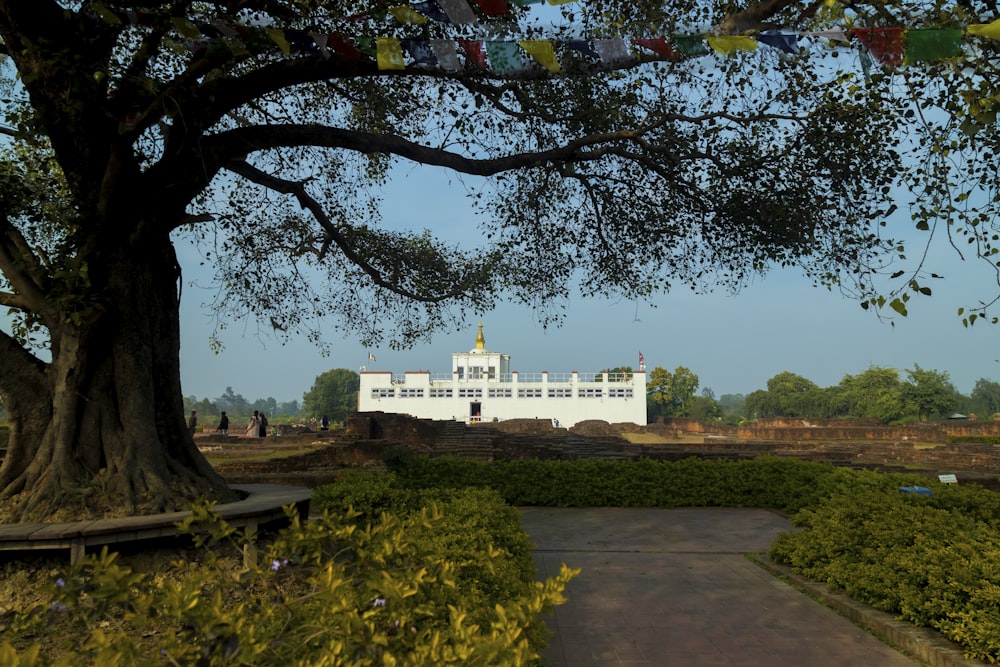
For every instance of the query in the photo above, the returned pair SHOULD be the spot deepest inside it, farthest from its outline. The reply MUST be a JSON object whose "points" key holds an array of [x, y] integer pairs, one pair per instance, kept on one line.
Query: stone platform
{"points": [[263, 505]]}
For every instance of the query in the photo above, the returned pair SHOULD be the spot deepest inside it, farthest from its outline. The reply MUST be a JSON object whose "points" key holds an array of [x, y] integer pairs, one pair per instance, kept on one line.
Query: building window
{"points": [[561, 393], [383, 393], [591, 393], [411, 393], [529, 393], [470, 393], [619, 393], [501, 393], [461, 372], [441, 393]]}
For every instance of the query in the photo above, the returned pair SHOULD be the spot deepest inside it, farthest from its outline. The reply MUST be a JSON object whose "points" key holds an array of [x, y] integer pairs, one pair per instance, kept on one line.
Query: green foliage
{"points": [[985, 397], [778, 483], [334, 394], [414, 590], [975, 439], [931, 392], [671, 392], [932, 560]]}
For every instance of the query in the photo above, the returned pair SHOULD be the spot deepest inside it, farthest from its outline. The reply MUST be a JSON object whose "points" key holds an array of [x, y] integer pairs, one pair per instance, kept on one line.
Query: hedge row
{"points": [[771, 482], [419, 587], [932, 560]]}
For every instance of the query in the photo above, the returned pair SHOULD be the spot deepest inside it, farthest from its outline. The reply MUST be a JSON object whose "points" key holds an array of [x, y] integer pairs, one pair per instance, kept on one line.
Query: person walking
{"points": [[223, 424], [253, 428]]}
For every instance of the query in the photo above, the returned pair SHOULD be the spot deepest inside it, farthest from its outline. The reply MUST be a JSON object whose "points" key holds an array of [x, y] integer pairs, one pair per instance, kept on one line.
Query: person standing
{"points": [[223, 424], [262, 422], [253, 428], [324, 424], [192, 422]]}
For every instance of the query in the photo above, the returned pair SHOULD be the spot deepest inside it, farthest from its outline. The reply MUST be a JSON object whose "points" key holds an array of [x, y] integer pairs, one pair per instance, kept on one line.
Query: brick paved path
{"points": [[672, 587]]}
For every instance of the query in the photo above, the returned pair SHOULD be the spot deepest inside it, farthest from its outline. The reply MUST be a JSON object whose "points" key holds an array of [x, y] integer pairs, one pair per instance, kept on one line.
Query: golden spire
{"points": [[480, 340]]}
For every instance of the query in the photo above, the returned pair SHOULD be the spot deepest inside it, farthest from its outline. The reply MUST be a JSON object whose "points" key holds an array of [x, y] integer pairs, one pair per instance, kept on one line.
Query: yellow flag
{"points": [[726, 44], [388, 53], [543, 53], [991, 30], [278, 37], [404, 14]]}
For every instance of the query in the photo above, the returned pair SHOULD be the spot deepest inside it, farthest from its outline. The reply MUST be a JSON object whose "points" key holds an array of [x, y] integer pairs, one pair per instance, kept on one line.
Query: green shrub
{"points": [[329, 592], [931, 560], [784, 484]]}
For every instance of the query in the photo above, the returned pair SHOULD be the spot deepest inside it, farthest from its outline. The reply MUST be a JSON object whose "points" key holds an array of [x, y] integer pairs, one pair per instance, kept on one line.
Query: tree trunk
{"points": [[100, 431]]}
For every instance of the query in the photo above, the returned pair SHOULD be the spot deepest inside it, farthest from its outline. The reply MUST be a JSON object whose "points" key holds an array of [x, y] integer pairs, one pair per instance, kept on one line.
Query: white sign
{"points": [[948, 479]]}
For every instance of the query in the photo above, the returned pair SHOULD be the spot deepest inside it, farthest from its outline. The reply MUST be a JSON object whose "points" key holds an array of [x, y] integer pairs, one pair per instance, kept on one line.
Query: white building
{"points": [[481, 387]]}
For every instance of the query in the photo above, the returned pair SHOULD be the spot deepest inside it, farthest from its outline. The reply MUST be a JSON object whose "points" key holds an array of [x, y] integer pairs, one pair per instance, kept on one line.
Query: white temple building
{"points": [[481, 387]]}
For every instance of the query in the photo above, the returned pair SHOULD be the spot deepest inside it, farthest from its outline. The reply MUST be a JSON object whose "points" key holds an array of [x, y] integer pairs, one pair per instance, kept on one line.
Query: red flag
{"points": [[885, 44], [344, 47], [474, 49], [642, 361], [493, 7], [657, 45]]}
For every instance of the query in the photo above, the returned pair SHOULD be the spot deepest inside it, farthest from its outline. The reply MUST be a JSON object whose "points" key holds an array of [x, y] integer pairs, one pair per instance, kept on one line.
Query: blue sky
{"points": [[733, 343]]}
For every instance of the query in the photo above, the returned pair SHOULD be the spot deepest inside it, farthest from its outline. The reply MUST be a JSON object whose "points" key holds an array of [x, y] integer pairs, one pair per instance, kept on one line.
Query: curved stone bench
{"points": [[263, 505]]}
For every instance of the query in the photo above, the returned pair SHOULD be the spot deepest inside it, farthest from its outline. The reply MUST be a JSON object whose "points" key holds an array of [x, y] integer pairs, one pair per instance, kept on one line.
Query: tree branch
{"points": [[334, 232], [21, 267]]}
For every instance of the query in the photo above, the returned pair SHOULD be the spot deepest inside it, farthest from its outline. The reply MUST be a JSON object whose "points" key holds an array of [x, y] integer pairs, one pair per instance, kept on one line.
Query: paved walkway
{"points": [[663, 587]]}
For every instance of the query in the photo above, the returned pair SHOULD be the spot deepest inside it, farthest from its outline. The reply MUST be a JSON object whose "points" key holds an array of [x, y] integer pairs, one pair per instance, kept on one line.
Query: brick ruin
{"points": [[366, 438]]}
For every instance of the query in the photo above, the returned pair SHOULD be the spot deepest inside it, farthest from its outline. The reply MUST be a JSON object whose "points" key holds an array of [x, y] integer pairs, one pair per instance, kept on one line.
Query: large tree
{"points": [[257, 129], [334, 394]]}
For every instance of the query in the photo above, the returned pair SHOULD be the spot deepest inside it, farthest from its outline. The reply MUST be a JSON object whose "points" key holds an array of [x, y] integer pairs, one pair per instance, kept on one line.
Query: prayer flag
{"points": [[474, 50], [991, 30], [458, 11], [420, 50], [614, 51], [320, 39], [405, 14], [933, 44], [431, 10], [884, 44], [657, 45], [371, 357], [642, 361], [300, 41], [728, 44], [783, 41], [833, 35], [543, 53], [389, 53], [690, 45], [344, 47], [583, 46], [504, 57], [278, 37], [493, 7], [444, 51]]}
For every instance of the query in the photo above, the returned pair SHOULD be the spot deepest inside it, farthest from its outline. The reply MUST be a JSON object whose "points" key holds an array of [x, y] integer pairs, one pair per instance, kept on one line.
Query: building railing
{"points": [[525, 378]]}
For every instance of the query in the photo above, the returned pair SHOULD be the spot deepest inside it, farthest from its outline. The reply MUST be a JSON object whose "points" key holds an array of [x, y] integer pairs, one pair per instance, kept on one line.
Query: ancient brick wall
{"points": [[922, 433]]}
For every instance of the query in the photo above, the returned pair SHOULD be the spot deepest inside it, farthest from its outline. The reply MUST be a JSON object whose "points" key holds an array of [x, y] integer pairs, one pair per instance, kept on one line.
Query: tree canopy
{"points": [[262, 131], [334, 395]]}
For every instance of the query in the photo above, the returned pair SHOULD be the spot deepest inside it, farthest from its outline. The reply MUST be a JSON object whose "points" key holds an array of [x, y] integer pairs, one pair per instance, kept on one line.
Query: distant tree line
{"points": [[334, 394], [878, 392], [237, 407]]}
